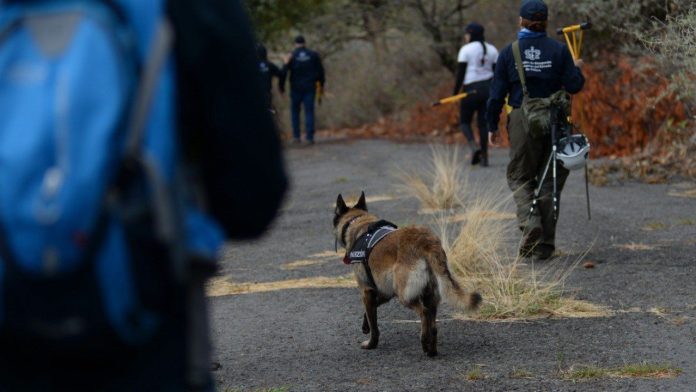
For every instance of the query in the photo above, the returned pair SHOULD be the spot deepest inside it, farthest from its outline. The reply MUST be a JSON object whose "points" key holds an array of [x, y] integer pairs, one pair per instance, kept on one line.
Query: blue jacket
{"points": [[305, 69], [549, 67]]}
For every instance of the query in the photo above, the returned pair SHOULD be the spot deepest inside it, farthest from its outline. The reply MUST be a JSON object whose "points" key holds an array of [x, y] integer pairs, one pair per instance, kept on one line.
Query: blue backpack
{"points": [[97, 224]]}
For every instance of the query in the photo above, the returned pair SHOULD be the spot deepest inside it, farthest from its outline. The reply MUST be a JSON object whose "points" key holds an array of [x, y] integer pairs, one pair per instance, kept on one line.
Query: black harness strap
{"points": [[362, 248]]}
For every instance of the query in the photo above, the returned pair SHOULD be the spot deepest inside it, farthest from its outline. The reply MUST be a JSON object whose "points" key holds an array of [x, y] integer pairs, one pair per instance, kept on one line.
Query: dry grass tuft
{"points": [[690, 193], [521, 374], [654, 226], [639, 370], [481, 244], [439, 184], [647, 370], [475, 374]]}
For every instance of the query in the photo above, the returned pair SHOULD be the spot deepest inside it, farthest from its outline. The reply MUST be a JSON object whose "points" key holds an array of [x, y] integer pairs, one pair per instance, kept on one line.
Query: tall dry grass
{"points": [[480, 237], [440, 183]]}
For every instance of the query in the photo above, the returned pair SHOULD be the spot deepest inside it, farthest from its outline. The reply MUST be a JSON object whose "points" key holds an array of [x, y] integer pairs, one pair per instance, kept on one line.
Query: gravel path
{"points": [[642, 239]]}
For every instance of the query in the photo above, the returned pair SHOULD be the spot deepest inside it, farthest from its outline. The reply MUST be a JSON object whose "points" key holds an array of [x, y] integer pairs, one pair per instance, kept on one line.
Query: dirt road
{"points": [[642, 238]]}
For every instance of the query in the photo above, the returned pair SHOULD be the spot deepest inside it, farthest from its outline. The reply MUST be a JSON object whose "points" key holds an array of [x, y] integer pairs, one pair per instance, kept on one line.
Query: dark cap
{"points": [[474, 29], [534, 10], [299, 39], [475, 32]]}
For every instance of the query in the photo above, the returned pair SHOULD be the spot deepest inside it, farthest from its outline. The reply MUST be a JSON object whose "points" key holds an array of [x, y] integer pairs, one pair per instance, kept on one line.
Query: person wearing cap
{"points": [[476, 62], [268, 72], [306, 71], [548, 68]]}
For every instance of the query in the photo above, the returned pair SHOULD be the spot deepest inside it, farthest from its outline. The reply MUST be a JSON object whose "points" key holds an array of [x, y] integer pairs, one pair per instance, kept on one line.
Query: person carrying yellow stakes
{"points": [[537, 72]]}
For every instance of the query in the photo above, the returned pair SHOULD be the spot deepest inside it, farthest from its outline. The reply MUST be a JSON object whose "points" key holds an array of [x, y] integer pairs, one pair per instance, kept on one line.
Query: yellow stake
{"points": [[574, 36], [453, 99]]}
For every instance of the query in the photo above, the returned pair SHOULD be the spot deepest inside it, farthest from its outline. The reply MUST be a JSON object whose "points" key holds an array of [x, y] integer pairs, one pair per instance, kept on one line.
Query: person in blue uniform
{"points": [[268, 72], [548, 67], [306, 71]]}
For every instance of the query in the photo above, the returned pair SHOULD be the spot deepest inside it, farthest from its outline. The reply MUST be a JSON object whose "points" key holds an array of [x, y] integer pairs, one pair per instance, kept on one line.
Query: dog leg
{"points": [[431, 315], [428, 314], [369, 298], [366, 326], [425, 326]]}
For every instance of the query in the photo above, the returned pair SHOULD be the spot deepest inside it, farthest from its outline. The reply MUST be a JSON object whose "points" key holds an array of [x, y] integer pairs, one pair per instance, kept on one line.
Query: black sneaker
{"points": [[544, 251], [476, 158], [530, 242]]}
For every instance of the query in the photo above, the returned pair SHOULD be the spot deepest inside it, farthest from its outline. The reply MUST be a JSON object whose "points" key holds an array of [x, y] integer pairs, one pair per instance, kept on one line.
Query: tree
{"points": [[442, 21], [274, 18]]}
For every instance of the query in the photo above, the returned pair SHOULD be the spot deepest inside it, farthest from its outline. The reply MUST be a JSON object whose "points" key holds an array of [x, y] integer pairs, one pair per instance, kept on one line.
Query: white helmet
{"points": [[573, 151]]}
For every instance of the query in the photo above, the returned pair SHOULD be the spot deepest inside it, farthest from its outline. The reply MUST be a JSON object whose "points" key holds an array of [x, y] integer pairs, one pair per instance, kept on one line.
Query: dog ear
{"points": [[362, 203], [341, 207]]}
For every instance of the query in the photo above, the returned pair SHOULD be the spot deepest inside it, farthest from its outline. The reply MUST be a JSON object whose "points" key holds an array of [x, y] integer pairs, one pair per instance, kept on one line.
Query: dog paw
{"points": [[368, 345], [431, 353]]}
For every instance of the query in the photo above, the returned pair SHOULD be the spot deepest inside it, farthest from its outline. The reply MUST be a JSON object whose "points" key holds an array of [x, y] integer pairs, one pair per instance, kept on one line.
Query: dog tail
{"points": [[450, 289]]}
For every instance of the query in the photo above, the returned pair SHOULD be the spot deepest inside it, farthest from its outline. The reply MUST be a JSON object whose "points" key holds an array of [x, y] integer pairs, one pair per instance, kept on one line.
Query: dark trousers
{"points": [[475, 104], [297, 100], [528, 158]]}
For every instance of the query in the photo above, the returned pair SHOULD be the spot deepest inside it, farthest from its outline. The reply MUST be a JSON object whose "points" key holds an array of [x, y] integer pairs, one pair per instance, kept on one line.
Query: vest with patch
{"points": [[361, 249]]}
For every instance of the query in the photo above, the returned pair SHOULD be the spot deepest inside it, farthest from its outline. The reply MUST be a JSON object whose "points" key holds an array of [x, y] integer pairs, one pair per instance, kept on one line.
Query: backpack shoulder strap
{"points": [[519, 66], [155, 62]]}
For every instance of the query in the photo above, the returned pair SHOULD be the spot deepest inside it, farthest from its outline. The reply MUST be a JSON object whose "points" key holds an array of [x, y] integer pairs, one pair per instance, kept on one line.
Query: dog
{"points": [[407, 263]]}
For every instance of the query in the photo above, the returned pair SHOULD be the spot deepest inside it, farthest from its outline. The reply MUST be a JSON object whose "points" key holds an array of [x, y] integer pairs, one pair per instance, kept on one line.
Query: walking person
{"points": [[548, 68], [476, 63], [306, 79], [269, 71], [139, 178]]}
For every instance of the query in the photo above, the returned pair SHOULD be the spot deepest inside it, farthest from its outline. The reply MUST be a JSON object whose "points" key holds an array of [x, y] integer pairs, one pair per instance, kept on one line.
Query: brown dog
{"points": [[407, 263]]}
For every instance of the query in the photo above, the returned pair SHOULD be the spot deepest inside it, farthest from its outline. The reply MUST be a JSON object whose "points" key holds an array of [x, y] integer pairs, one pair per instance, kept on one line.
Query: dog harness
{"points": [[361, 249]]}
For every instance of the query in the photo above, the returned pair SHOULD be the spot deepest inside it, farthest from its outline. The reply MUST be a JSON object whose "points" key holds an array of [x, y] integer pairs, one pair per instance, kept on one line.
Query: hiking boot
{"points": [[476, 158], [530, 242], [544, 251]]}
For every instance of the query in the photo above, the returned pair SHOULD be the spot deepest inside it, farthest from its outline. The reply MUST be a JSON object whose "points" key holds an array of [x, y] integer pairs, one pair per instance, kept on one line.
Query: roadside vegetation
{"points": [[386, 60], [480, 238], [636, 370]]}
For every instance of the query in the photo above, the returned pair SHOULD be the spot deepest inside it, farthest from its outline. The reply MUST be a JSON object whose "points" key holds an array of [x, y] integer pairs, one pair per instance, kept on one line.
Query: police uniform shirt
{"points": [[268, 71], [305, 69], [472, 54]]}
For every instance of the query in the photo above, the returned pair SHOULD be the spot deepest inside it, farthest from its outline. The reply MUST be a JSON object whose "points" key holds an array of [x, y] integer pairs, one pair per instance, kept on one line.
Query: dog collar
{"points": [[344, 231]]}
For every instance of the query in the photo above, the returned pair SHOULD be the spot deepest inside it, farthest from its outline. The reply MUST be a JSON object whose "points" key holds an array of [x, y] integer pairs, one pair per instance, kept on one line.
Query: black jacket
{"points": [[228, 132], [305, 70], [268, 72], [549, 67]]}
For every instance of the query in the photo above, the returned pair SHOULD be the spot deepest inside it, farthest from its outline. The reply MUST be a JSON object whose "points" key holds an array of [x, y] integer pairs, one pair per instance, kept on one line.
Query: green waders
{"points": [[528, 157]]}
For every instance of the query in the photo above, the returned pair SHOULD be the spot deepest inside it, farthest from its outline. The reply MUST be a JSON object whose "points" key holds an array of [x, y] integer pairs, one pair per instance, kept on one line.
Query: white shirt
{"points": [[471, 54]]}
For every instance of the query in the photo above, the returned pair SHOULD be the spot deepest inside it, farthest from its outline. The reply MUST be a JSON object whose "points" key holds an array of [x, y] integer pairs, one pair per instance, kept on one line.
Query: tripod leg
{"points": [[555, 185], [537, 191], [587, 193]]}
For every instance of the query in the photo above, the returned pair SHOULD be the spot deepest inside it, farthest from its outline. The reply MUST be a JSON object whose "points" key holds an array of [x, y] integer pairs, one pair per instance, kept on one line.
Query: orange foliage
{"points": [[424, 122], [625, 105]]}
